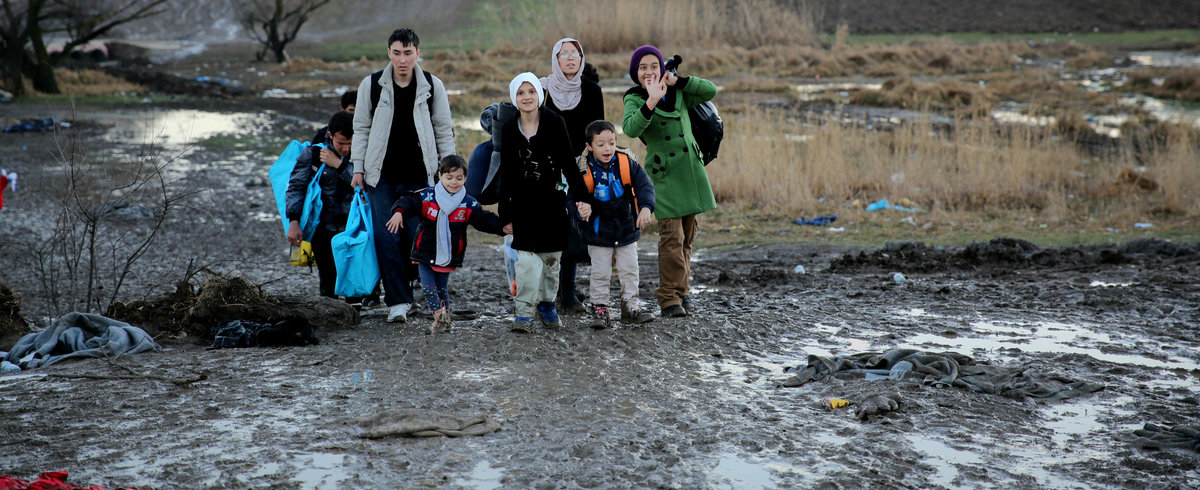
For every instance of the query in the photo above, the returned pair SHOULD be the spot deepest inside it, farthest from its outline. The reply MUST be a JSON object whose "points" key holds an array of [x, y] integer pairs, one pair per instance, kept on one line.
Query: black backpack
{"points": [[707, 128], [376, 90]]}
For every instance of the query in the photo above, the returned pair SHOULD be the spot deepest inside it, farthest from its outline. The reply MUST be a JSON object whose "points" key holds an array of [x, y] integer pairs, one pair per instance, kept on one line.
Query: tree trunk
{"points": [[43, 79], [280, 55]]}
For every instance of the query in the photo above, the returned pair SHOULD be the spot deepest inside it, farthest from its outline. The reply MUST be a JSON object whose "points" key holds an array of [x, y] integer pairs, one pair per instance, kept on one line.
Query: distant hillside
{"points": [[364, 20], [343, 20]]}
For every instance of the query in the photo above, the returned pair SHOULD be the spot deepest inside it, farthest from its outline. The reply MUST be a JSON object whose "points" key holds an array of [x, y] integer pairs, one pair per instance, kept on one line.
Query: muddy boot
{"points": [[600, 318], [570, 303], [441, 322], [632, 313], [687, 304], [548, 315], [522, 324]]}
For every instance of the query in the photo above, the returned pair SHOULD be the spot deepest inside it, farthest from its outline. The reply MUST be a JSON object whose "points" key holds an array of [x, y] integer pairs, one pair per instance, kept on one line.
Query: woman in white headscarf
{"points": [[577, 98], [535, 154], [570, 92]]}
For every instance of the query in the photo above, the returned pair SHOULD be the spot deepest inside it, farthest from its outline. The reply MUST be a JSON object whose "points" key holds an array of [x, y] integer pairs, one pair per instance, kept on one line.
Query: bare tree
{"points": [[28, 23], [275, 23], [109, 214]]}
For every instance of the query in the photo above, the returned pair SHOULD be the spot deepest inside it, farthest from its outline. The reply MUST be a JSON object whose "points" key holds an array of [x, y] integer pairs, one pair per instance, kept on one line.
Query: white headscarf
{"points": [[523, 78], [565, 93]]}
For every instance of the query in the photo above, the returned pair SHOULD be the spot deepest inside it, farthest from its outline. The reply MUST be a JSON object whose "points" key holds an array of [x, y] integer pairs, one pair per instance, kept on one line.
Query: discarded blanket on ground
{"points": [[1180, 436], [241, 333], [79, 335], [950, 369], [423, 423]]}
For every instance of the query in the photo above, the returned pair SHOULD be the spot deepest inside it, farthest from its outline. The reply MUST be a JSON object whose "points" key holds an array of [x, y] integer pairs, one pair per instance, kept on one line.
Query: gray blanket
{"points": [[951, 369], [1184, 436], [79, 335], [423, 423]]}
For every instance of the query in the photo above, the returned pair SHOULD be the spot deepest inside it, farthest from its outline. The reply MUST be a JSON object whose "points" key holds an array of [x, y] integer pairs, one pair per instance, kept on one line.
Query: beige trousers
{"points": [[627, 271], [537, 280]]}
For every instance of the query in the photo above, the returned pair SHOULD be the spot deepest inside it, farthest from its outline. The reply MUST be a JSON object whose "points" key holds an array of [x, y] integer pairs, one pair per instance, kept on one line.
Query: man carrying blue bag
{"points": [[329, 165]]}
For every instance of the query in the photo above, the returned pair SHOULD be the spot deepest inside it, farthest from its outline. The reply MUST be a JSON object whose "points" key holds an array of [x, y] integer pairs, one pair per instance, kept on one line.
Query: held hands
{"points": [[293, 234], [328, 157], [396, 223], [585, 210], [643, 218]]}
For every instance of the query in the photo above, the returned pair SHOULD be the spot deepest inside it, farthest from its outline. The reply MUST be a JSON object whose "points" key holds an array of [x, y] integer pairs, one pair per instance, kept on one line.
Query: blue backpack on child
{"points": [[280, 174]]}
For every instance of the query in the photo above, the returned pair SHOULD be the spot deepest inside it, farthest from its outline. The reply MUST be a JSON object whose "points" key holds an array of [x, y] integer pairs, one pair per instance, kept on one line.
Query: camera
{"points": [[672, 63]]}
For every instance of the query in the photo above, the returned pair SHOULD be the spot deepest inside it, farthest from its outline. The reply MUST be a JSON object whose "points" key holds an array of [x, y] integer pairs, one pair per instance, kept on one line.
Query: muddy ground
{"points": [[677, 403]]}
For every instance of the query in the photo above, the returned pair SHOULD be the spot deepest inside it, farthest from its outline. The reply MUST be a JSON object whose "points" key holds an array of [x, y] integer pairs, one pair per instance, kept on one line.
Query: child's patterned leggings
{"points": [[436, 286]]}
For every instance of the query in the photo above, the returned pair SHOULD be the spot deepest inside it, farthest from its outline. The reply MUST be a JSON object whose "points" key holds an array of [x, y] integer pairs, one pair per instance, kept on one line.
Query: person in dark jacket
{"points": [[336, 194], [535, 154], [445, 210], [349, 99], [613, 222], [657, 111], [579, 101]]}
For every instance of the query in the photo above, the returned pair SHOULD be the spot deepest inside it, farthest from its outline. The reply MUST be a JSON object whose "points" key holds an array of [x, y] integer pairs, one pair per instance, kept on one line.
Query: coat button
{"points": [[666, 138], [685, 149], [680, 135], [672, 154]]}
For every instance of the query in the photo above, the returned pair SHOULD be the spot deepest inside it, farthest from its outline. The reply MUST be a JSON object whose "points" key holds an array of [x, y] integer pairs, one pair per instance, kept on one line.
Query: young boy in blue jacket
{"points": [[441, 240], [621, 205]]}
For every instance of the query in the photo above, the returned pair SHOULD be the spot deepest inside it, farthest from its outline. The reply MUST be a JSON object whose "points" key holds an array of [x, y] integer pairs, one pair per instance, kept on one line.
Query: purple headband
{"points": [[640, 53]]}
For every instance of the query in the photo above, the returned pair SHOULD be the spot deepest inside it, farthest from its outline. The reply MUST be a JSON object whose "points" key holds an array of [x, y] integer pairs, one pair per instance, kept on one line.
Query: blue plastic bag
{"points": [[354, 251], [281, 173]]}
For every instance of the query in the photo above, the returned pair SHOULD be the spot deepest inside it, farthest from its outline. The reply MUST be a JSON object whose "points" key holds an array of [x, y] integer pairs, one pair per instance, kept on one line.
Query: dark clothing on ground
{"points": [[423, 423], [404, 163], [1184, 436], [952, 369], [424, 206], [530, 173], [242, 333], [614, 222], [590, 108]]}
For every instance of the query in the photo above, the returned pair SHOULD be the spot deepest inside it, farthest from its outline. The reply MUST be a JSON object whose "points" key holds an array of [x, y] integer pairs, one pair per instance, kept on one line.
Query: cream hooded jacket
{"points": [[436, 132]]}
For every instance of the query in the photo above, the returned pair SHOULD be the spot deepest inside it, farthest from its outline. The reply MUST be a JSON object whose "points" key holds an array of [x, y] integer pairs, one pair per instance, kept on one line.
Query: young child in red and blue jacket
{"points": [[441, 240]]}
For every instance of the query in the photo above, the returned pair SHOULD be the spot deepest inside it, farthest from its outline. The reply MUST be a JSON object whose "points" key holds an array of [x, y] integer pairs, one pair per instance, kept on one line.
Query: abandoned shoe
{"points": [[522, 324], [548, 315], [633, 313], [398, 313], [674, 311], [600, 318]]}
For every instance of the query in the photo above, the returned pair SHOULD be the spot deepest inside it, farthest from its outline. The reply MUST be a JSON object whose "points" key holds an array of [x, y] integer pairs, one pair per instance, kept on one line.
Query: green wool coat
{"points": [[673, 158]]}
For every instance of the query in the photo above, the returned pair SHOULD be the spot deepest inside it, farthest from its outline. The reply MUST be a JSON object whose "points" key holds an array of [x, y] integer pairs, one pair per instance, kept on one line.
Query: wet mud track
{"points": [[677, 403]]}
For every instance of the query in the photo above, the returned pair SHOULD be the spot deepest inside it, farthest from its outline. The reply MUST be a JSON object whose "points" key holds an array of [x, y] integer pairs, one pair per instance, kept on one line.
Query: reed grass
{"points": [[799, 167]]}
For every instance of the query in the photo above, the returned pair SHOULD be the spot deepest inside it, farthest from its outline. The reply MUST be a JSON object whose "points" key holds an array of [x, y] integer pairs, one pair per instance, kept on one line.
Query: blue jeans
{"points": [[393, 250], [436, 285]]}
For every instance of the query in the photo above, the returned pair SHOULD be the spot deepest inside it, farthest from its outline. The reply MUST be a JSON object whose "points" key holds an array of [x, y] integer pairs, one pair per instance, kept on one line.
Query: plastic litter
{"points": [[1143, 225], [899, 278], [799, 269], [43, 124], [884, 204], [361, 380], [816, 221], [830, 403]]}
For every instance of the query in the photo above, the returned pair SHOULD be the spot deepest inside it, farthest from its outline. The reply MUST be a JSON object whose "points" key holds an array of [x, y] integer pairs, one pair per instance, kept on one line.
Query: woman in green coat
{"points": [[657, 111]]}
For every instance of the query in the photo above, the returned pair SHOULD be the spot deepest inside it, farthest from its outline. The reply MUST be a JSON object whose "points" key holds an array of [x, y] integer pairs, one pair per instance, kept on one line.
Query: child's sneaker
{"points": [[633, 313], [522, 324], [600, 318], [548, 315]]}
